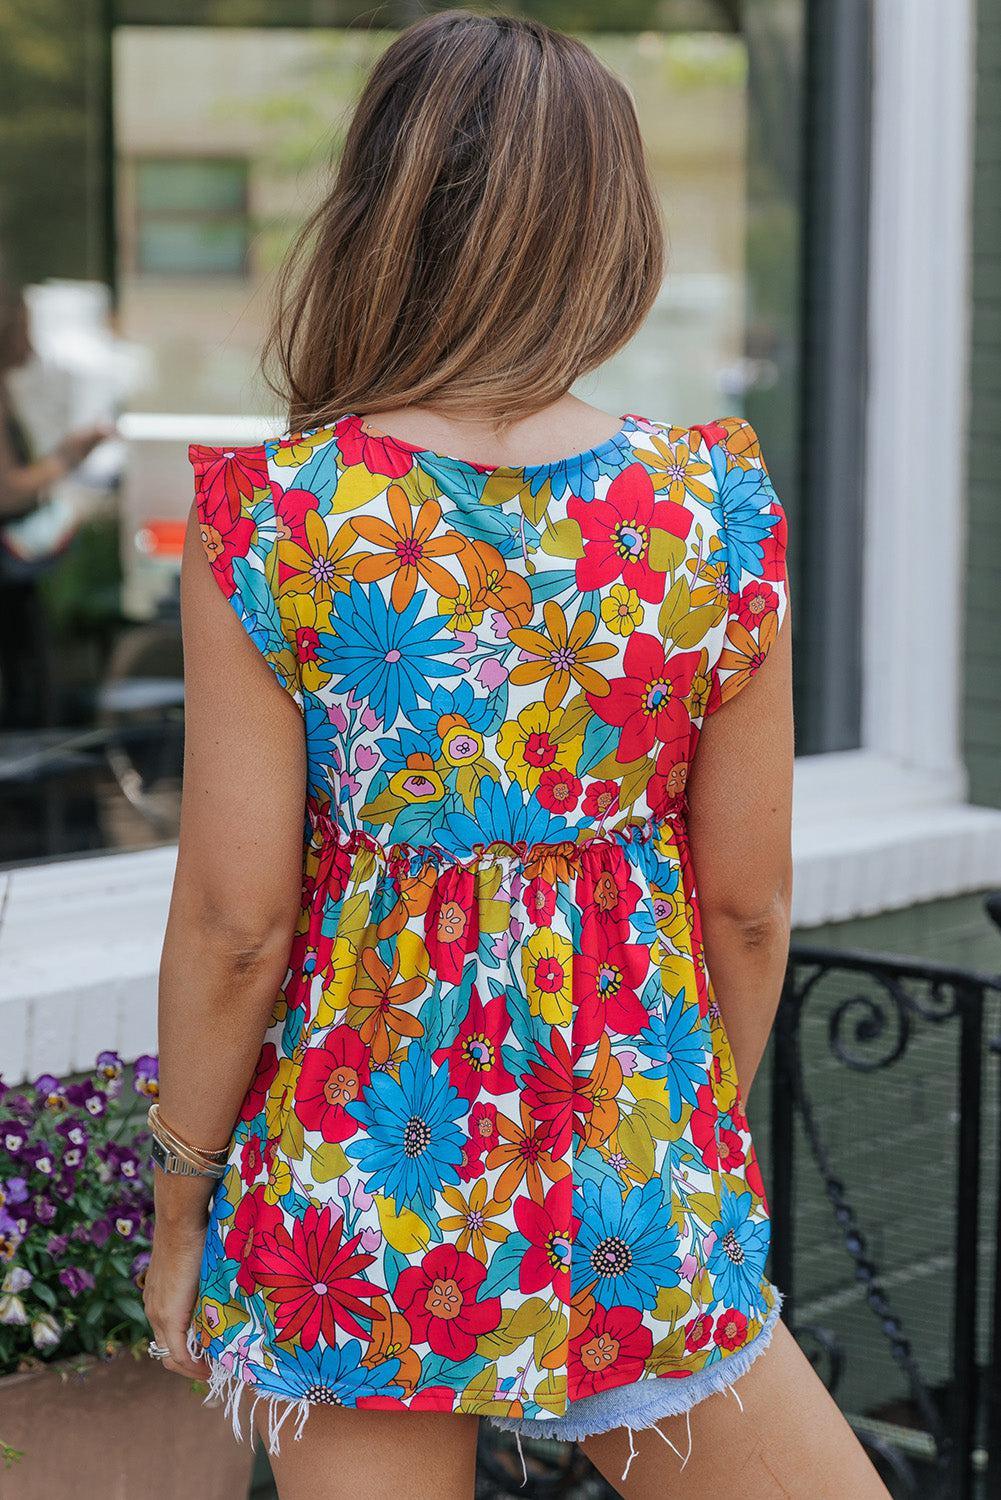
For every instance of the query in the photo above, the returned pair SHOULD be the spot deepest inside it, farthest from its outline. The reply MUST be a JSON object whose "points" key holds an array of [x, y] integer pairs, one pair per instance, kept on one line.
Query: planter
{"points": [[116, 1430]]}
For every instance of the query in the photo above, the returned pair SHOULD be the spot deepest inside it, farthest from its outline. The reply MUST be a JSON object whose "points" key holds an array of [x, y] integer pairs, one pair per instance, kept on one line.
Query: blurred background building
{"points": [[830, 172]]}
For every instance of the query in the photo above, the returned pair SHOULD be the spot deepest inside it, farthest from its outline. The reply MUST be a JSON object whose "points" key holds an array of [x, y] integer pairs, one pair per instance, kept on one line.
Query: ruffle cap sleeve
{"points": [[752, 528], [241, 537]]}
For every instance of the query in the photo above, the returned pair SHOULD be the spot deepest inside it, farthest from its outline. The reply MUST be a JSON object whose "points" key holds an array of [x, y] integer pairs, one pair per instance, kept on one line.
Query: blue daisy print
{"points": [[742, 506], [383, 655], [673, 1042], [326, 1375], [412, 1144], [625, 1246], [737, 1259], [508, 815]]}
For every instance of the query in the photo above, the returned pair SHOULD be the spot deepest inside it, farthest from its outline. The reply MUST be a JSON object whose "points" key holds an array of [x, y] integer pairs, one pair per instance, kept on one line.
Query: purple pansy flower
{"points": [[146, 1076], [76, 1280]]}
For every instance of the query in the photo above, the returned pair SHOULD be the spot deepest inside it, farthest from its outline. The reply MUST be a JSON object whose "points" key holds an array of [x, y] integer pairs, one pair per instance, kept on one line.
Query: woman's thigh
{"points": [[378, 1455], [790, 1440]]}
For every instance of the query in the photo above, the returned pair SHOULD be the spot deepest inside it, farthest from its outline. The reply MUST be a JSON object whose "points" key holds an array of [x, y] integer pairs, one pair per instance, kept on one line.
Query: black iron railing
{"points": [[915, 1219]]}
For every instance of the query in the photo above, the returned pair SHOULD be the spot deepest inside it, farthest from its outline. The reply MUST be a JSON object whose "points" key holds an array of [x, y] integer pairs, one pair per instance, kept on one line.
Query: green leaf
{"points": [[516, 1325], [480, 1391], [550, 1394], [673, 1303], [637, 1144], [665, 552], [675, 606], [550, 1341], [563, 539], [694, 627], [657, 1118], [329, 1161]]}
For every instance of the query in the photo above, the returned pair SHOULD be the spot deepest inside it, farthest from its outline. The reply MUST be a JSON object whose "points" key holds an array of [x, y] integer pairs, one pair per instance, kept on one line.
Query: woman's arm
{"points": [[740, 823], [20, 484], [232, 914]]}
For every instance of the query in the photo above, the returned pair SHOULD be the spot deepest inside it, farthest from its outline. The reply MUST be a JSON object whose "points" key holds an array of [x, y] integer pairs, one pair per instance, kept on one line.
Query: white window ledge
{"points": [[80, 939]]}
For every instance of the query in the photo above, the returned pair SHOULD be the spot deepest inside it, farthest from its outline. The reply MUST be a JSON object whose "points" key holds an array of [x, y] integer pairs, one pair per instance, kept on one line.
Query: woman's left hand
{"points": [[171, 1288]]}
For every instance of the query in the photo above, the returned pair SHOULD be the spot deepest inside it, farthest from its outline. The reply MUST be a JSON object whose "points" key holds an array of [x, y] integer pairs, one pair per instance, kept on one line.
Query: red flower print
{"points": [[601, 800], [313, 1280], [229, 477], [731, 1151], [697, 1331], [549, 1228], [361, 443], [731, 1329], [438, 1299], [540, 901], [559, 791], [757, 600], [666, 787], [554, 1093], [606, 894], [291, 508], [483, 1126], [451, 923], [605, 980], [474, 1057], [773, 547], [612, 1350], [620, 534], [704, 1126], [332, 1075], [225, 532], [753, 1177], [251, 1158], [648, 701], [264, 1072], [254, 1217]]}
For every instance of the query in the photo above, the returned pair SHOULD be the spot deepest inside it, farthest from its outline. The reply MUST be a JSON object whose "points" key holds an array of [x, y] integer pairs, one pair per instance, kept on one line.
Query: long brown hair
{"points": [[491, 233]]}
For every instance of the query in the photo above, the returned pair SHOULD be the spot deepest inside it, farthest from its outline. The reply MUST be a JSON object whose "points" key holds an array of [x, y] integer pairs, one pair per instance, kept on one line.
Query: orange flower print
{"points": [[525, 1155], [678, 471], [409, 548], [563, 656], [321, 567], [381, 1003]]}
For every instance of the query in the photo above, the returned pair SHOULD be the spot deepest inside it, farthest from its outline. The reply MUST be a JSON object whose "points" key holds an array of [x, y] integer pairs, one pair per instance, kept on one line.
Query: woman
{"points": [[490, 1155], [25, 688]]}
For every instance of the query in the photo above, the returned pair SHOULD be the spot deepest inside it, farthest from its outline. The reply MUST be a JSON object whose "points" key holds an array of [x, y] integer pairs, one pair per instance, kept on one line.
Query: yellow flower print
{"points": [[622, 611], [562, 656], [742, 442], [302, 621], [711, 586], [535, 742], [297, 447], [465, 612], [340, 982], [409, 550], [280, 1094], [676, 471], [279, 1180], [472, 1218], [321, 566], [698, 693], [547, 966]]}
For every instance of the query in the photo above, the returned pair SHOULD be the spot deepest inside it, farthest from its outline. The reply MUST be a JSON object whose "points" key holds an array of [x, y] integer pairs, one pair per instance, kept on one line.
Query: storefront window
{"points": [[219, 139]]}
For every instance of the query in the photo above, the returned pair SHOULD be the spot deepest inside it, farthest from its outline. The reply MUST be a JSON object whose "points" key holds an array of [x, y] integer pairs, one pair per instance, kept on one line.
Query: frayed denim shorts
{"points": [[644, 1403]]}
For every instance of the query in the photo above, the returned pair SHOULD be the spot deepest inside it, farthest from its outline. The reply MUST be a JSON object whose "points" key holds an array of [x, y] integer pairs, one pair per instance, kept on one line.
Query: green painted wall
{"points": [[957, 931], [982, 693]]}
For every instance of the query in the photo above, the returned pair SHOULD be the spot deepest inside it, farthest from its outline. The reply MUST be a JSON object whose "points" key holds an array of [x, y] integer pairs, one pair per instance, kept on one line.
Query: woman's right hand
{"points": [[171, 1288], [75, 446]]}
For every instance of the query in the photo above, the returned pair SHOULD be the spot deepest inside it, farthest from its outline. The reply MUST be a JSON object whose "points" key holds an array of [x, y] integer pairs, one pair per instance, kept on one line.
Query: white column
{"points": [[923, 85]]}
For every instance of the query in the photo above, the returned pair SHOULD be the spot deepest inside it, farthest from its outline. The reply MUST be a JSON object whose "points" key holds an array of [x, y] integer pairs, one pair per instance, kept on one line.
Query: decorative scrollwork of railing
{"points": [[868, 1010]]}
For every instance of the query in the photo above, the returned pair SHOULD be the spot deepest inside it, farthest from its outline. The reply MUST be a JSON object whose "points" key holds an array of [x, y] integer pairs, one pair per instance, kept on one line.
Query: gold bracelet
{"points": [[197, 1155]]}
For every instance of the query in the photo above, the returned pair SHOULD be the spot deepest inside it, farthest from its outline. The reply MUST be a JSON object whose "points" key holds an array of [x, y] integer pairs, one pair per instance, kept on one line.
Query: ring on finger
{"points": [[157, 1351]]}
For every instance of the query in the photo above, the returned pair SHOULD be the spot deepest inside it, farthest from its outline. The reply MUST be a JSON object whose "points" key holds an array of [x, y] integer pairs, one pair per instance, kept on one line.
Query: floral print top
{"points": [[493, 1158]]}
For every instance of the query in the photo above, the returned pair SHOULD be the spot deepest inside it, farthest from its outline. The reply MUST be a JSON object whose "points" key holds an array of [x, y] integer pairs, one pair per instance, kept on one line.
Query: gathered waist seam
{"points": [[327, 835]]}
